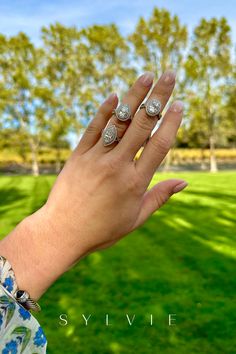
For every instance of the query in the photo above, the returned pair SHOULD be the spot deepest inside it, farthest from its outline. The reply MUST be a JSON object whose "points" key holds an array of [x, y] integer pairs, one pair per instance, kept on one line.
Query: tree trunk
{"points": [[34, 164], [168, 161], [203, 165], [213, 162], [58, 159]]}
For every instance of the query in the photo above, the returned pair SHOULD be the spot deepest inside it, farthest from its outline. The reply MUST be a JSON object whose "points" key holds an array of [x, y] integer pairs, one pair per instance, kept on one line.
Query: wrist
{"points": [[37, 253]]}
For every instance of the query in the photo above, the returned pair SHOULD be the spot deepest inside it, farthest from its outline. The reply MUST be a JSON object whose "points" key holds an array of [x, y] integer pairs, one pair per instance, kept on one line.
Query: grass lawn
{"points": [[182, 261]]}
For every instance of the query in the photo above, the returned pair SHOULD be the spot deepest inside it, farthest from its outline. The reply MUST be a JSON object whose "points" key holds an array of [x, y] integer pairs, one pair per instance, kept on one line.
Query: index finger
{"points": [[161, 142]]}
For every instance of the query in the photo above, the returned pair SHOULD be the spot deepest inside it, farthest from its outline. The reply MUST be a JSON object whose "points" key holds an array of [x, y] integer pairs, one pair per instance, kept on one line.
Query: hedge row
{"points": [[177, 156]]}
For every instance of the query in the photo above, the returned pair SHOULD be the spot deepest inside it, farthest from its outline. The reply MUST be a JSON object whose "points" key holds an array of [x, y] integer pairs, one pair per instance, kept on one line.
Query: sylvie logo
{"points": [[130, 320]]}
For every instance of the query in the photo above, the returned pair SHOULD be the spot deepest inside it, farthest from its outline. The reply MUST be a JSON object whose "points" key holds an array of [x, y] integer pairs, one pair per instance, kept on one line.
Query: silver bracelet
{"points": [[8, 280]]}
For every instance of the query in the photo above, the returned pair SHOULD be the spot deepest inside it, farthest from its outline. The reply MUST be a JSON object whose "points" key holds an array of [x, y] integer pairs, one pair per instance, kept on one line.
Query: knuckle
{"points": [[92, 128], [161, 144], [160, 198], [134, 92], [143, 123], [110, 165], [163, 92], [121, 126], [134, 184]]}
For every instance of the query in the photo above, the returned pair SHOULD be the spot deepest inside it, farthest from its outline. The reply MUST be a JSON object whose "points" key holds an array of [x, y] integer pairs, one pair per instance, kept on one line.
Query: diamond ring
{"points": [[153, 107], [122, 112], [110, 135]]}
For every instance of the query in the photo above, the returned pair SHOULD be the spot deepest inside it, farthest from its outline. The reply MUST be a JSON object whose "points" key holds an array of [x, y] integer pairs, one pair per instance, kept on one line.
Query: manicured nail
{"points": [[111, 98], [147, 78], [177, 106], [180, 187], [168, 77]]}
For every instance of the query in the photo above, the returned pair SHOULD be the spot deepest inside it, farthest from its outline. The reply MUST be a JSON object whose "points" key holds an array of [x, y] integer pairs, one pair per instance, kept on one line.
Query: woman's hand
{"points": [[101, 193]]}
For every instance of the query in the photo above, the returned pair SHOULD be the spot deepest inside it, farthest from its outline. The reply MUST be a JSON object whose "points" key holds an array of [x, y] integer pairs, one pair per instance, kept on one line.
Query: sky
{"points": [[30, 16]]}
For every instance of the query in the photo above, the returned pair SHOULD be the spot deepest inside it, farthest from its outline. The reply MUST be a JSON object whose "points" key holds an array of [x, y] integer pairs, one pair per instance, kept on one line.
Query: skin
{"points": [[101, 193]]}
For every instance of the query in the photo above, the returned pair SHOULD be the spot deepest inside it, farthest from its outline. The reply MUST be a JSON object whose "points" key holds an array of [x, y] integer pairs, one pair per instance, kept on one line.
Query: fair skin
{"points": [[101, 194]]}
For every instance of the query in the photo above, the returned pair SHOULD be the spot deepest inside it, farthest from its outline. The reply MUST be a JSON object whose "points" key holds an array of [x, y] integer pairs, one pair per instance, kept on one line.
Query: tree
{"points": [[208, 68], [67, 72], [159, 42], [110, 55], [229, 110], [24, 110]]}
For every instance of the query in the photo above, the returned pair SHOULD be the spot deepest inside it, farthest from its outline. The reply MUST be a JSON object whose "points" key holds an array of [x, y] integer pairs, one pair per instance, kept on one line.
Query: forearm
{"points": [[36, 254]]}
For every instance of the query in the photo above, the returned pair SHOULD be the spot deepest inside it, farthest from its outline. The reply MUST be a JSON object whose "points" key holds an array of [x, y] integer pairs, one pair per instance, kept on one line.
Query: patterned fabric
{"points": [[7, 276], [20, 332]]}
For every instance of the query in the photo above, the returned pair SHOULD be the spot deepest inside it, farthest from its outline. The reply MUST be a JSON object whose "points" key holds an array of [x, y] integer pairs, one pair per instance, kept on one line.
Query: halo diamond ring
{"points": [[110, 135], [153, 107], [123, 112]]}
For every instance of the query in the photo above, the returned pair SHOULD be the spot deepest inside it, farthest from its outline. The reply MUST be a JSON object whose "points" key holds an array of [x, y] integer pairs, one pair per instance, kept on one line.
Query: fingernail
{"points": [[177, 106], [111, 98], [147, 78], [180, 187], [168, 77]]}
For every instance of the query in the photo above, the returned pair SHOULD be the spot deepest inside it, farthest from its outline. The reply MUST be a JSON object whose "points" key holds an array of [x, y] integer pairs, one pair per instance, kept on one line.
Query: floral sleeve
{"points": [[20, 332]]}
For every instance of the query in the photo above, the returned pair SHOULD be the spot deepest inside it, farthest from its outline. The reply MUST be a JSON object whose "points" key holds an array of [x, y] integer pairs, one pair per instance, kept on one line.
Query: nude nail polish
{"points": [[169, 77], [177, 107], [147, 78], [180, 187], [111, 98]]}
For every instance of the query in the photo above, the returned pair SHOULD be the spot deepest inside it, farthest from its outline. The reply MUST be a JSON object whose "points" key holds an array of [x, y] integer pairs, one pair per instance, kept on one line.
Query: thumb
{"points": [[158, 195]]}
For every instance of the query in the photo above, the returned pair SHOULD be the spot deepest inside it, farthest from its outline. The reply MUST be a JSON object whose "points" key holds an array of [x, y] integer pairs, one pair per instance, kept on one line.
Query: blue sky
{"points": [[29, 16]]}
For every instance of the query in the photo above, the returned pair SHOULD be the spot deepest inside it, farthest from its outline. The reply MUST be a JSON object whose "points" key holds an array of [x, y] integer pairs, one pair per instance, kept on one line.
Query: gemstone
{"points": [[22, 296], [19, 293], [109, 135], [123, 112], [153, 107]]}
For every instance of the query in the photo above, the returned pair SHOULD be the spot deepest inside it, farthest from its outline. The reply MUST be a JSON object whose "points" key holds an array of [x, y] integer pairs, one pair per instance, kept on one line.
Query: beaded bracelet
{"points": [[8, 280]]}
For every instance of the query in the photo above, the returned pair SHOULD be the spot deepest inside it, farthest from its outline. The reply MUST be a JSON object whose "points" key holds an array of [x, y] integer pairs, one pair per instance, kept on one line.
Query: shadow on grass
{"points": [[8, 197], [181, 261], [219, 195], [20, 196]]}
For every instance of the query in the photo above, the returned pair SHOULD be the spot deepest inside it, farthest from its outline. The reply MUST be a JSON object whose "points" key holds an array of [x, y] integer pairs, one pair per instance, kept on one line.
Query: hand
{"points": [[101, 193]]}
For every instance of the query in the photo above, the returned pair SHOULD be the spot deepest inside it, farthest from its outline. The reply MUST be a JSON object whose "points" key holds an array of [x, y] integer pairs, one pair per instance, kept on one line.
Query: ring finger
{"points": [[142, 124]]}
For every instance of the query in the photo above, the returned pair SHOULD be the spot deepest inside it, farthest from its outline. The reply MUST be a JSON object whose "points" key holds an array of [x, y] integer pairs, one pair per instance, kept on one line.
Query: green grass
{"points": [[182, 261]]}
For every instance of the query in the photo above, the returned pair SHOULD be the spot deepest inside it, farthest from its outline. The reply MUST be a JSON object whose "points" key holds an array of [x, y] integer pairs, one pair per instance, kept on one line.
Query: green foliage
{"points": [[208, 69], [159, 41], [48, 92], [24, 110], [182, 260], [110, 56]]}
